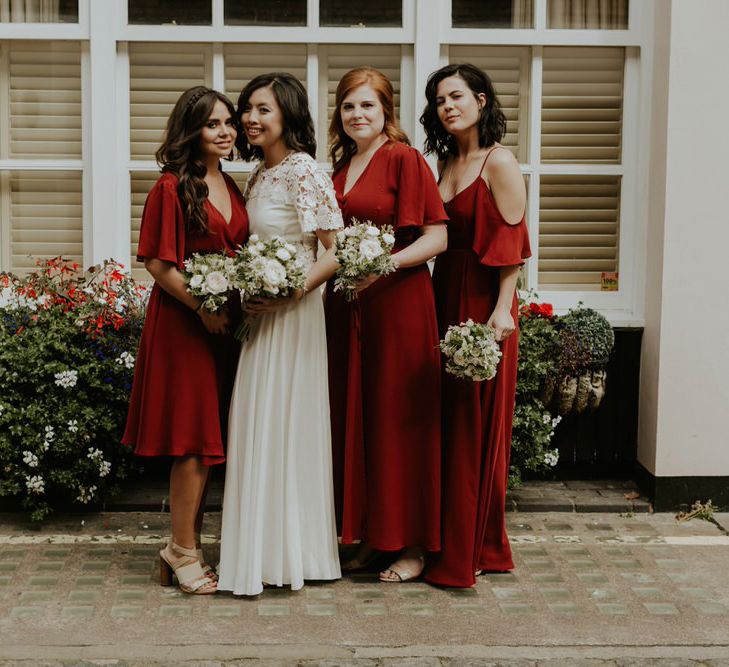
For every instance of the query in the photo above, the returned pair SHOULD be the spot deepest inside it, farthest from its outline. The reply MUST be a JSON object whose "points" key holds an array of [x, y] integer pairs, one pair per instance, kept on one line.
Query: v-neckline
{"points": [[364, 171], [230, 199], [460, 192]]}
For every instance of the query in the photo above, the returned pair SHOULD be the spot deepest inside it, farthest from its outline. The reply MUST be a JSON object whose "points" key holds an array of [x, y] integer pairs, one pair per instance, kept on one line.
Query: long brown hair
{"points": [[180, 151], [341, 146]]}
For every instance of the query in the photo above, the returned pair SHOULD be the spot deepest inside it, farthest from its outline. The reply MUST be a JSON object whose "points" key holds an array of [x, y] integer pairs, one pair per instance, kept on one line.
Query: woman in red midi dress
{"points": [[475, 278], [186, 360], [384, 365]]}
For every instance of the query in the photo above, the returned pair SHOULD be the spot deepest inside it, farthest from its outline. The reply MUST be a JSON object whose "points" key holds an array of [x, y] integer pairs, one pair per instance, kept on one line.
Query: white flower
{"points": [[66, 379], [283, 254], [73, 425], [196, 281], [551, 458], [30, 459], [35, 484], [290, 248], [253, 238], [1, 410], [349, 231], [49, 434], [125, 359], [216, 282], [370, 249], [388, 238], [556, 421], [104, 468], [372, 231], [85, 495], [546, 418], [458, 357], [95, 454], [273, 274], [46, 445]]}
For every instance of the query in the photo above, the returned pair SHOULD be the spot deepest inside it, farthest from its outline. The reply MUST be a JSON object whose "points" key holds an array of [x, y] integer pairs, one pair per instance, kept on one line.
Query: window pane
{"points": [[582, 104], [508, 68], [44, 91], [578, 230], [43, 212], [39, 11], [265, 12], [360, 13], [158, 74], [156, 12], [588, 14], [493, 13]]}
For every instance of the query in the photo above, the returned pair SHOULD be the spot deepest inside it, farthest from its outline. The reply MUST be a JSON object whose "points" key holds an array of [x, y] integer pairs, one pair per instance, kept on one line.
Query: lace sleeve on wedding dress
{"points": [[315, 201]]}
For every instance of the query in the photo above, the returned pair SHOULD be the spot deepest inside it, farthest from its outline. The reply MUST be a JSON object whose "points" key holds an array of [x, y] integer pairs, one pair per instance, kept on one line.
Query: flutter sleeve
{"points": [[162, 231], [315, 200], [418, 198], [495, 241]]}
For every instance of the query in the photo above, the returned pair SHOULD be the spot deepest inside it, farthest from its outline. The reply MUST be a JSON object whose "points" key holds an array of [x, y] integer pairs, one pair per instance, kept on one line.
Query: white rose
{"points": [[215, 282], [290, 248], [196, 281], [372, 231], [273, 274], [283, 254], [203, 269], [348, 231], [369, 249], [388, 238], [458, 357], [253, 238]]}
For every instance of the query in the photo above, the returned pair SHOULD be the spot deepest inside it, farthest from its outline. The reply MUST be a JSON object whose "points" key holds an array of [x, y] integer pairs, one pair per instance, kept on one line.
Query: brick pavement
{"points": [[590, 587]]}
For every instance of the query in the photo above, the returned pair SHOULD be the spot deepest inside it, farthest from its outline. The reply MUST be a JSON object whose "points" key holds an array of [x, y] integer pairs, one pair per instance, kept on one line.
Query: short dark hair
{"points": [[491, 122], [298, 127]]}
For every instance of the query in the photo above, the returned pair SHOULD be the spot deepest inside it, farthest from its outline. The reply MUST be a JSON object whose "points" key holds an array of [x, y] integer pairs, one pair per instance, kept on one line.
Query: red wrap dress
{"points": [[183, 375], [477, 416], [384, 368]]}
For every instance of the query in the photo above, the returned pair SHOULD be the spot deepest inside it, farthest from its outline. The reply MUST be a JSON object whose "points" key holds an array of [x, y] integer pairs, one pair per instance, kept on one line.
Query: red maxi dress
{"points": [[384, 368], [184, 375], [477, 416]]}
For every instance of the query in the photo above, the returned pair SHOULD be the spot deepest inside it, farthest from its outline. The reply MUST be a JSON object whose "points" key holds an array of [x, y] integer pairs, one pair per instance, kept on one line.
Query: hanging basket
{"points": [[575, 394]]}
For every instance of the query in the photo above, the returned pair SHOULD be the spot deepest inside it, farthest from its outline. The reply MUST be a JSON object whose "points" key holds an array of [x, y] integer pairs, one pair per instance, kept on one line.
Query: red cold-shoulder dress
{"points": [[183, 375], [477, 416], [384, 368]]}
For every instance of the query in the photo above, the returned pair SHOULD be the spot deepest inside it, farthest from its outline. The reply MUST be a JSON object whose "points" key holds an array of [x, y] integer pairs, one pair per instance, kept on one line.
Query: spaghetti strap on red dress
{"points": [[384, 369], [477, 416], [183, 375]]}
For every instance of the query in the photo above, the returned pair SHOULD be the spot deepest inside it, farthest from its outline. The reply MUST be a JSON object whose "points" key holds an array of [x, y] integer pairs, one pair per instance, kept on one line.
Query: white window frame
{"points": [[426, 36]]}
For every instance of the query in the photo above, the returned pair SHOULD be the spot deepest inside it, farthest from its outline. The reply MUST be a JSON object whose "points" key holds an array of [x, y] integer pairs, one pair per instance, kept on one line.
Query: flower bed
{"points": [[67, 346]]}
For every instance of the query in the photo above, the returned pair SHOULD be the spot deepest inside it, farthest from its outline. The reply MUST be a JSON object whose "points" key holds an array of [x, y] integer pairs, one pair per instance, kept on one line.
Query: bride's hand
{"points": [[260, 306]]}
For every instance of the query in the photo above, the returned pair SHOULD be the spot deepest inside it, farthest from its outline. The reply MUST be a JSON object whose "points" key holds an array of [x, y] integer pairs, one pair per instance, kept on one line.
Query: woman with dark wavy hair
{"points": [[384, 364], [183, 379], [278, 509], [485, 198]]}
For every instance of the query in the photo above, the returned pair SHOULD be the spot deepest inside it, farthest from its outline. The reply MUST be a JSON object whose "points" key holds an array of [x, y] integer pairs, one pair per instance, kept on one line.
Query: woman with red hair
{"points": [[384, 363]]}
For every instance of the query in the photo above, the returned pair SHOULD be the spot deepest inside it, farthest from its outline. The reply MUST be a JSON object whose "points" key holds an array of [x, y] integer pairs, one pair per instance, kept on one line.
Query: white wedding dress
{"points": [[278, 521]]}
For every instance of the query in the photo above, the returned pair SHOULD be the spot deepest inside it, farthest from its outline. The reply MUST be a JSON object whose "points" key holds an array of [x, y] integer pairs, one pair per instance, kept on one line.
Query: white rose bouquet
{"points": [[267, 270], [362, 249], [471, 351], [209, 277]]}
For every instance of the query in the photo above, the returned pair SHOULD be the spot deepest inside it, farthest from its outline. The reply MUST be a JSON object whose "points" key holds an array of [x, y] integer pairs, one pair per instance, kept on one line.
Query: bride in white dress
{"points": [[278, 508]]}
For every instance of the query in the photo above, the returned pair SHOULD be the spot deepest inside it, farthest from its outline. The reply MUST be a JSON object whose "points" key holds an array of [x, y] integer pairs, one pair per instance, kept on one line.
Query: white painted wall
{"points": [[684, 407]]}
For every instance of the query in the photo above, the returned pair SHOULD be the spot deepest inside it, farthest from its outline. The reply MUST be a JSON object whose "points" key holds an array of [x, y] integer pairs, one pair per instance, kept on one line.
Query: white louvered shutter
{"points": [[158, 74], [508, 68], [582, 104], [45, 214], [339, 59], [578, 230], [243, 62], [45, 100]]}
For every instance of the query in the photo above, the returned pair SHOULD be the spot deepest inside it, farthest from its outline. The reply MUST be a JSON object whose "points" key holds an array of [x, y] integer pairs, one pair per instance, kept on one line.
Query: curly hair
{"points": [[298, 127], [180, 151], [491, 121], [341, 146]]}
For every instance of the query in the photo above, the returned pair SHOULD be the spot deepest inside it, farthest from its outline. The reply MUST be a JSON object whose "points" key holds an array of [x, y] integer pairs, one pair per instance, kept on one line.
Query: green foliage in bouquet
{"points": [[67, 346]]}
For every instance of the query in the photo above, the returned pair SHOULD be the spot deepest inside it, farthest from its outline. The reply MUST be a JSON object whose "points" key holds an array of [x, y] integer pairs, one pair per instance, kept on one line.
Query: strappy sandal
{"points": [[184, 563], [360, 562], [403, 575], [207, 569]]}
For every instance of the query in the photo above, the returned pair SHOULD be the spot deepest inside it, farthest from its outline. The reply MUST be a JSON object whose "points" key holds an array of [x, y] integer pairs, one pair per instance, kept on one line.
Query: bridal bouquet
{"points": [[471, 351], [210, 277], [362, 249], [266, 270]]}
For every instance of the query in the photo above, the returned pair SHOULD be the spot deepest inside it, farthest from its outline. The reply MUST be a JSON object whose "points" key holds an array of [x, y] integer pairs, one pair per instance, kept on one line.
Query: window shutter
{"points": [[508, 68], [243, 62], [582, 104], [45, 100], [578, 230], [45, 216], [158, 74]]}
